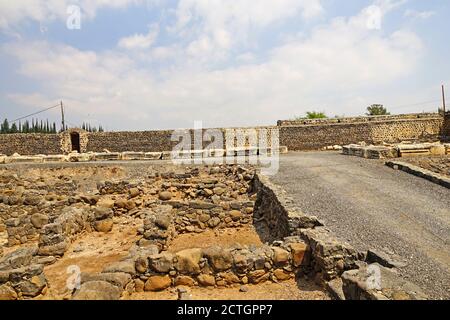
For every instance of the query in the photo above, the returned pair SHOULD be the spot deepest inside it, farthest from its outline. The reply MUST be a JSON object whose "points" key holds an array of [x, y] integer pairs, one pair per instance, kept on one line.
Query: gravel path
{"points": [[375, 207]]}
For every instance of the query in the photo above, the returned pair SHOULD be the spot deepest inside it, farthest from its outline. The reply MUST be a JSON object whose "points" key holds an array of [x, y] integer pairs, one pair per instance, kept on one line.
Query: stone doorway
{"points": [[75, 141]]}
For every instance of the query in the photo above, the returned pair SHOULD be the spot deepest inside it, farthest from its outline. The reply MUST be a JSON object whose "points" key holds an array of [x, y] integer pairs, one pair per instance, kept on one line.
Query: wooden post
{"points": [[443, 98], [63, 123]]}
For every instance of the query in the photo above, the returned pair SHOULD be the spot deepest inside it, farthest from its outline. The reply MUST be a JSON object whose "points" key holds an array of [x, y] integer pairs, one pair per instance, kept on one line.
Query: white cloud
{"points": [[419, 14], [15, 12], [335, 68], [372, 16], [215, 25], [140, 41]]}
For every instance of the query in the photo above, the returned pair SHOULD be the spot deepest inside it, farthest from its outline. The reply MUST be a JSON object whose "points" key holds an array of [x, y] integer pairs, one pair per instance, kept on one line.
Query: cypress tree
{"points": [[5, 126]]}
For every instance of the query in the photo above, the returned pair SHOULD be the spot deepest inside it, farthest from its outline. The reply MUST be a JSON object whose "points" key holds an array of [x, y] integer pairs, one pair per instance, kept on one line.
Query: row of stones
{"points": [[131, 156], [152, 270], [357, 119], [25, 205], [313, 137], [21, 271], [22, 274], [395, 151], [56, 236], [163, 223], [25, 223], [420, 172]]}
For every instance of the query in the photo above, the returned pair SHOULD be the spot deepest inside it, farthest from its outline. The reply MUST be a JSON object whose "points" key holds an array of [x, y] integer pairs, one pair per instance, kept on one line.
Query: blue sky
{"points": [[158, 64]]}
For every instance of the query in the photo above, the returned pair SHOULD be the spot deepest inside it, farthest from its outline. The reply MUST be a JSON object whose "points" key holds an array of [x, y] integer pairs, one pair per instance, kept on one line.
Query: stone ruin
{"points": [[43, 216]]}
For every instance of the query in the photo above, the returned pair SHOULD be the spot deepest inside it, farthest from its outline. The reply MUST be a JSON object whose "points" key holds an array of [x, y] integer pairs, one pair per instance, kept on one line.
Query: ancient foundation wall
{"points": [[276, 219], [362, 119], [304, 135], [157, 141], [310, 137], [29, 144], [146, 141], [446, 127]]}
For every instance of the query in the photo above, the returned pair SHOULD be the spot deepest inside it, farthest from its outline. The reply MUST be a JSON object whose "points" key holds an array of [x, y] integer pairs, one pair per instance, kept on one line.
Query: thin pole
{"points": [[63, 123], [443, 98]]}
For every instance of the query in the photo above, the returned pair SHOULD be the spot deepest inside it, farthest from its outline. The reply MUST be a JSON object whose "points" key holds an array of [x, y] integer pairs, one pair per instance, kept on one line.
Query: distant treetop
{"points": [[316, 115], [312, 115], [36, 126], [40, 126], [377, 110]]}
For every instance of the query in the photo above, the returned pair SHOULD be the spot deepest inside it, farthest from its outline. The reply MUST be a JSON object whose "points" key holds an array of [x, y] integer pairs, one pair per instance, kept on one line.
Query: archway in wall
{"points": [[75, 141]]}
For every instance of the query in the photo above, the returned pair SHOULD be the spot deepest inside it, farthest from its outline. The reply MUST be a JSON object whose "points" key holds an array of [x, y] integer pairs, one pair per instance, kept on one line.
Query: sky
{"points": [[163, 64]]}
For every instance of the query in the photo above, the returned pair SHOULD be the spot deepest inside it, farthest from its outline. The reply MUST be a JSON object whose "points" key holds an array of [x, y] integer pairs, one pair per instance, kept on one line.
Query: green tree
{"points": [[311, 115], [26, 127], [5, 126], [13, 128], [377, 110], [315, 115]]}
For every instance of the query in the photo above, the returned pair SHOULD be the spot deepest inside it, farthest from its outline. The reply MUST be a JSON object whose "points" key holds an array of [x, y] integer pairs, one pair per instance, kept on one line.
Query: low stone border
{"points": [[396, 151], [148, 269], [420, 172], [143, 156], [370, 152]]}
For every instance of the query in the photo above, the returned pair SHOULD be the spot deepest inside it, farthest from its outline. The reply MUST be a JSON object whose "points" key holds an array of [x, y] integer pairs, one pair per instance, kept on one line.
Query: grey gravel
{"points": [[373, 206]]}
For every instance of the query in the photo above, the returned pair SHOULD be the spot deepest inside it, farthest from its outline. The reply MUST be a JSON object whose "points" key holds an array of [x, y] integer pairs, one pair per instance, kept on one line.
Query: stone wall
{"points": [[151, 141], [276, 219], [446, 127], [165, 222], [312, 137], [296, 135], [148, 269], [29, 144], [27, 205], [22, 275], [361, 119], [273, 215], [56, 236], [145, 141]]}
